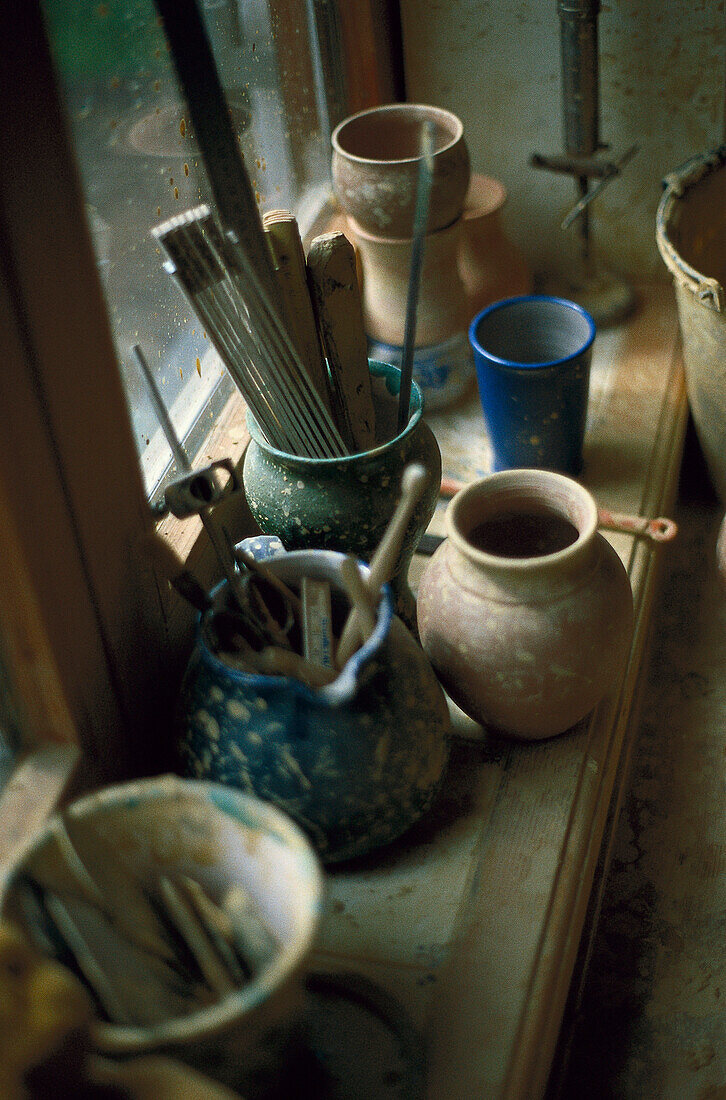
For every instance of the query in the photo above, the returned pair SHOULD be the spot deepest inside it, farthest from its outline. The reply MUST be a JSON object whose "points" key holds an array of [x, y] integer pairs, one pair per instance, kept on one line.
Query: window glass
{"points": [[139, 165], [12, 736]]}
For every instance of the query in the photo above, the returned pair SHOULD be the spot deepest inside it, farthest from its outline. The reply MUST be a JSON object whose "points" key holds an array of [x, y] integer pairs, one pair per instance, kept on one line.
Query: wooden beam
{"points": [[67, 455]]}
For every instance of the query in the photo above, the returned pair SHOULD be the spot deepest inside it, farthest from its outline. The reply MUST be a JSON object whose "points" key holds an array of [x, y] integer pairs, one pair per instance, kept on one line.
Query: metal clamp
{"points": [[198, 489]]}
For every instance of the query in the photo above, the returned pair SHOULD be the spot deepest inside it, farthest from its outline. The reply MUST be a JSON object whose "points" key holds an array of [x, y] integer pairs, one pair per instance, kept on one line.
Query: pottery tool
{"points": [[383, 562], [146, 988], [288, 258], [149, 951], [89, 966], [359, 596], [273, 661], [420, 218], [607, 297], [186, 921], [217, 926], [317, 623], [247, 330], [219, 544], [215, 135], [122, 897], [333, 279], [253, 939], [659, 529], [249, 562], [168, 563]]}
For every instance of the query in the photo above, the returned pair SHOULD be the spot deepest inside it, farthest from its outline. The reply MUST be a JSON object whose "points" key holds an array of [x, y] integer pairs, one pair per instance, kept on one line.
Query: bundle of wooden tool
{"points": [[295, 347], [167, 951], [262, 625]]}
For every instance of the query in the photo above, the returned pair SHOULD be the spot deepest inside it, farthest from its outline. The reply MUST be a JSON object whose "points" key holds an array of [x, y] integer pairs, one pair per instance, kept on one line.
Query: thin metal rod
{"points": [[240, 364], [180, 455], [594, 191], [200, 271], [221, 549], [421, 217]]}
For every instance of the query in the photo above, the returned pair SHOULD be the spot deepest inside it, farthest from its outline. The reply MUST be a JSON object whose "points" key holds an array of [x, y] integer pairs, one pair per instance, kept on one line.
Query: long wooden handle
{"points": [[336, 297], [384, 559]]}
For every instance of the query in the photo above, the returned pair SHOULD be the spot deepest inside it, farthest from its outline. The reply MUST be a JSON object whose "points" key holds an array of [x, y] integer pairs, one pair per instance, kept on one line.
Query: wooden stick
{"points": [[283, 239], [195, 936], [166, 560], [274, 661], [336, 298], [250, 562], [87, 962], [359, 596], [383, 561]]}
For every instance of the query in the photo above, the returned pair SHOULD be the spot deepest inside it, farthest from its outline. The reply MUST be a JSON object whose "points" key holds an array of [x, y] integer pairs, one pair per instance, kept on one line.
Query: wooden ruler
{"points": [[337, 302], [288, 258]]}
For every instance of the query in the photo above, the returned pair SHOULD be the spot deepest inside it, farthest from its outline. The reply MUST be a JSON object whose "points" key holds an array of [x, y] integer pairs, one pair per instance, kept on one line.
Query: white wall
{"points": [[496, 64]]}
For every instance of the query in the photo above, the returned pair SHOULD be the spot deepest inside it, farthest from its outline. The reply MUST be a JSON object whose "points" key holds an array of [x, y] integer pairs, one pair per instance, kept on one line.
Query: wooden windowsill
{"points": [[473, 921]]}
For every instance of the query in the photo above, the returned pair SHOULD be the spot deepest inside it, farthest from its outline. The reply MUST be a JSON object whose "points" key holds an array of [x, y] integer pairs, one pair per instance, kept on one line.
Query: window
{"points": [[140, 165], [91, 643]]}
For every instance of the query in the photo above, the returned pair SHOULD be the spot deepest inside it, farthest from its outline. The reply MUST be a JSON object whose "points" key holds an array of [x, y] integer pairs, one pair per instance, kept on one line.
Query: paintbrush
{"points": [[421, 214]]}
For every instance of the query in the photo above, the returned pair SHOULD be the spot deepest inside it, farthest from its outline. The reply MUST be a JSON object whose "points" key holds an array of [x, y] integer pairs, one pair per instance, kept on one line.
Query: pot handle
{"points": [[657, 530]]}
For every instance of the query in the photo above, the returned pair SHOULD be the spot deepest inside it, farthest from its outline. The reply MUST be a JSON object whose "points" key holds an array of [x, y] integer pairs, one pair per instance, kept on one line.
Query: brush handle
{"points": [[336, 297], [384, 559]]}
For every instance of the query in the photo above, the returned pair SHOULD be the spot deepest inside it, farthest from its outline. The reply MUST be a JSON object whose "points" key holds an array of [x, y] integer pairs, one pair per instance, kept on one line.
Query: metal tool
{"points": [[580, 107], [198, 487], [420, 218]]}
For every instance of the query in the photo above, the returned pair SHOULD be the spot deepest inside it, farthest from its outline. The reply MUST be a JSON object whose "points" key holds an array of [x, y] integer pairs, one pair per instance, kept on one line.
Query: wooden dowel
{"points": [[383, 561]]}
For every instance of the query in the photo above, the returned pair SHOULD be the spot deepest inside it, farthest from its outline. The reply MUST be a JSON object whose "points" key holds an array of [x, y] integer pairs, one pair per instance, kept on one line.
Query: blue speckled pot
{"points": [[354, 763], [345, 503]]}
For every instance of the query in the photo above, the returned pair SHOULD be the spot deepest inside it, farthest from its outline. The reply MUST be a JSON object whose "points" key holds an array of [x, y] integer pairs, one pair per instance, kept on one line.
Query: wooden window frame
{"points": [[95, 640]]}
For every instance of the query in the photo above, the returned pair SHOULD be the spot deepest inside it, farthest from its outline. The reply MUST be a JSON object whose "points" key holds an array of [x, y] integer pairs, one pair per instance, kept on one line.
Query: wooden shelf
{"points": [[473, 920]]}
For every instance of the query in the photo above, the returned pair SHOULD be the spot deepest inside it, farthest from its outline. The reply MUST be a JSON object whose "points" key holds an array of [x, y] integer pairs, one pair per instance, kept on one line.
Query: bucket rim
{"points": [[708, 291]]}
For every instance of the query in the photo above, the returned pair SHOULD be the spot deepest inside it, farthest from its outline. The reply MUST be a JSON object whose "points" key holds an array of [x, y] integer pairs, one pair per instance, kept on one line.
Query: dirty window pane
{"points": [[12, 740], [140, 165]]}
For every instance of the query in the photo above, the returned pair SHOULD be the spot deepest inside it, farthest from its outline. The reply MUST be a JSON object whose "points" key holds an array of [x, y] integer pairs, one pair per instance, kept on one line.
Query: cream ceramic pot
{"points": [[525, 611], [375, 166]]}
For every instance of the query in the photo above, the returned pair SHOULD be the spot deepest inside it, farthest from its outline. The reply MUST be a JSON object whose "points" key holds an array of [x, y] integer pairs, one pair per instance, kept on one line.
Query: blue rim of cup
{"points": [[506, 302]]}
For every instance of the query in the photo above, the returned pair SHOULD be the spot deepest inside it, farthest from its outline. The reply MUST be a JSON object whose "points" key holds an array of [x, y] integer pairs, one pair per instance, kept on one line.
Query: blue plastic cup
{"points": [[532, 357]]}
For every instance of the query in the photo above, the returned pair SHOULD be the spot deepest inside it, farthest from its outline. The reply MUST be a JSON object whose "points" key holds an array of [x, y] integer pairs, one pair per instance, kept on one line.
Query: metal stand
{"points": [[606, 296]]}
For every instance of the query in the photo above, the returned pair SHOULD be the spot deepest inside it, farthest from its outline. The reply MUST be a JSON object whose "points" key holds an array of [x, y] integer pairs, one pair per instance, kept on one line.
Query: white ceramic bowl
{"points": [[221, 837]]}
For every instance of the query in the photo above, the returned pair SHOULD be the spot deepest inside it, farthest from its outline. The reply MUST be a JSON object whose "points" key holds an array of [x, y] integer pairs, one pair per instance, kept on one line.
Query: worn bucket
{"points": [[691, 238]]}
